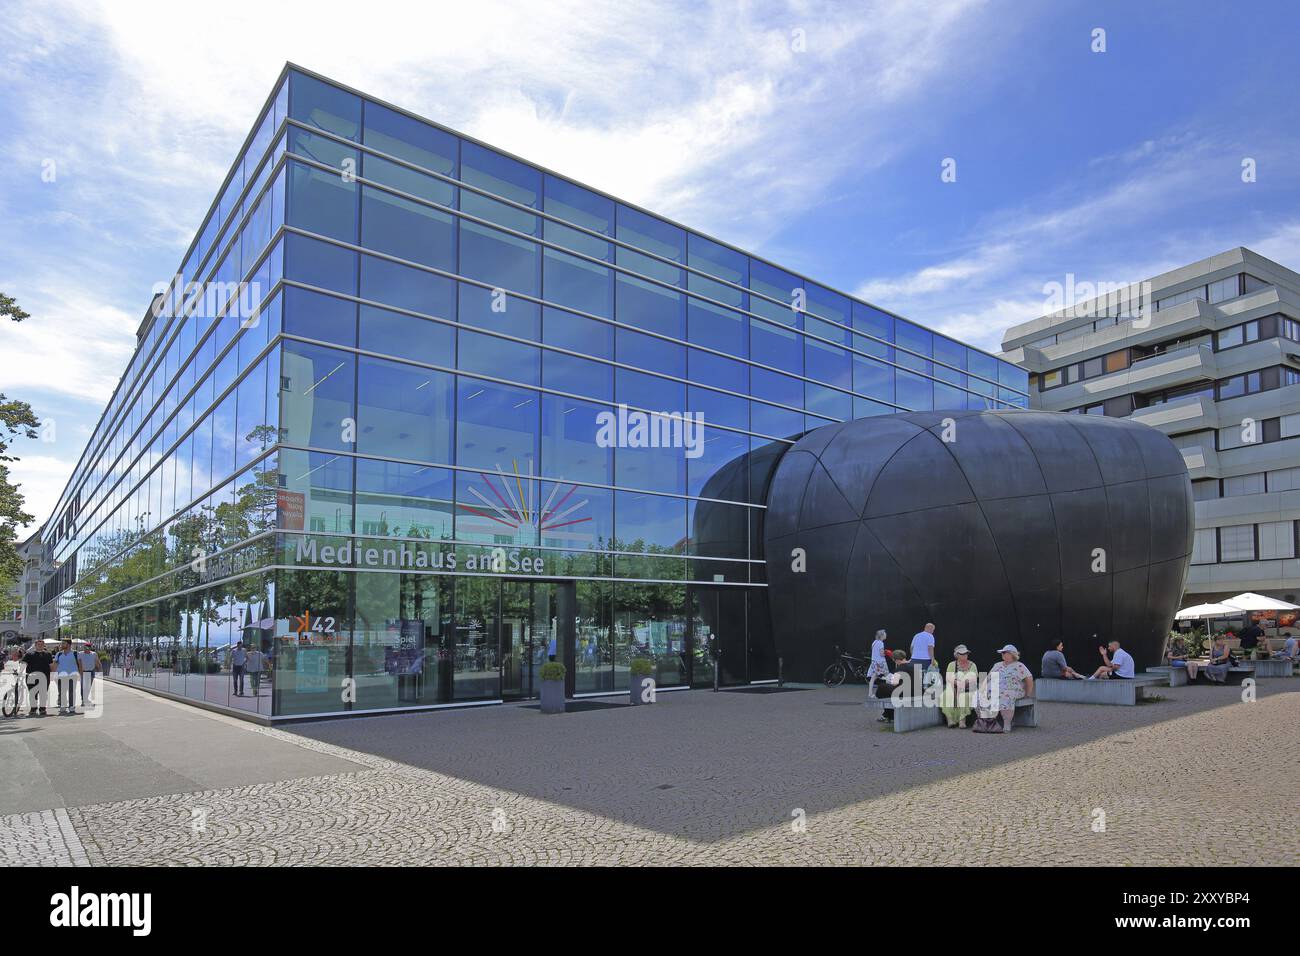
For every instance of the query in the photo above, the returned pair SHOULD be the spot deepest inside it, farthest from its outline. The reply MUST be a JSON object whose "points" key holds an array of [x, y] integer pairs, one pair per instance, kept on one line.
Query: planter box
{"points": [[552, 697], [638, 689]]}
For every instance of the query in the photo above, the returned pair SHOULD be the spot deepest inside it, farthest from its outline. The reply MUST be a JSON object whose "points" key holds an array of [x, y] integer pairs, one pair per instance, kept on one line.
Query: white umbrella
{"points": [[1250, 601], [1207, 611]]}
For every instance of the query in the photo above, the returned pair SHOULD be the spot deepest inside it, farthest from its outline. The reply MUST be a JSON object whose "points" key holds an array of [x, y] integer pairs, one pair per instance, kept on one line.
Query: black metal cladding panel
{"points": [[1129, 512], [855, 464], [1118, 454], [939, 535], [995, 459], [1066, 459], [922, 474]]}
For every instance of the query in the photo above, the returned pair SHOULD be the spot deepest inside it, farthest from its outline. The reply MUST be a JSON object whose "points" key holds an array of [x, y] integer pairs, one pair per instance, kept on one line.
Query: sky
{"points": [[814, 134]]}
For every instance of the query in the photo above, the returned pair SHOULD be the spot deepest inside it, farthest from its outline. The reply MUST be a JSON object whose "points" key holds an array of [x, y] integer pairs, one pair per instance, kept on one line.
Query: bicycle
{"points": [[12, 696], [845, 665]]}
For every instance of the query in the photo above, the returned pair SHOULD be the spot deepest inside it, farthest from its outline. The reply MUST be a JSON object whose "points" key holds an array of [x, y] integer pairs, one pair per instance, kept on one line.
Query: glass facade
{"points": [[381, 430]]}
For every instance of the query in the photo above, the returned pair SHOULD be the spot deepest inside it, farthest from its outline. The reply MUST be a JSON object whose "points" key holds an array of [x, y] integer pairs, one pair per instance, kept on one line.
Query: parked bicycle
{"points": [[845, 666], [11, 689]]}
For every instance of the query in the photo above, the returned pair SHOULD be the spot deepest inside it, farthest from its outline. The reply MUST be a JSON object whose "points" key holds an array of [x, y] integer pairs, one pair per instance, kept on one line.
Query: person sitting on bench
{"points": [[1290, 650], [1054, 664], [1177, 652], [1118, 664], [894, 679]]}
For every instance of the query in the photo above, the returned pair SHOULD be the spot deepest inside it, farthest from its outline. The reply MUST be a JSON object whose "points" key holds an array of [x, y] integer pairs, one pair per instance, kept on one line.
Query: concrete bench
{"points": [[915, 715], [1271, 668], [1113, 690]]}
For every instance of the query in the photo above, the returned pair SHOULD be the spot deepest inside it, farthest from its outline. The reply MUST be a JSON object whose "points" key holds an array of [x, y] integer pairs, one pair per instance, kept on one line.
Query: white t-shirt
{"points": [[923, 645], [1123, 662], [878, 652]]}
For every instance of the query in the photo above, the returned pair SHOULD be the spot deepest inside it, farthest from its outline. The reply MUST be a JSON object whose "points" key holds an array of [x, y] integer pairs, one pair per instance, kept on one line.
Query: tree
{"points": [[16, 421]]}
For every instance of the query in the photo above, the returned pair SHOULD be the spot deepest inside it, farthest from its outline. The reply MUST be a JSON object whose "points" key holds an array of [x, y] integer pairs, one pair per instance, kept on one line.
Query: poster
{"points": [[313, 670]]}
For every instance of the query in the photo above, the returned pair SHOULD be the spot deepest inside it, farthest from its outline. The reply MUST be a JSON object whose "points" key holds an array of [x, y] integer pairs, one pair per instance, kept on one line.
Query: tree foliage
{"points": [[16, 421]]}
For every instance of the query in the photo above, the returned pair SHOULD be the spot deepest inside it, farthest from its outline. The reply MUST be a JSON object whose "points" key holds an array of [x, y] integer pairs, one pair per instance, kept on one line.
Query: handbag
{"points": [[988, 725]]}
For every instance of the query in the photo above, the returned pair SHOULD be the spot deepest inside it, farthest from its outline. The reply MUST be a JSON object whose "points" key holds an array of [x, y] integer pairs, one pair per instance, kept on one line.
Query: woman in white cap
{"points": [[1013, 682], [959, 687]]}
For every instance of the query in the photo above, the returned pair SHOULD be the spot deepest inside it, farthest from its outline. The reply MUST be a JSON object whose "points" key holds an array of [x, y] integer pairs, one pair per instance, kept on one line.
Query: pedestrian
{"points": [[255, 666], [922, 657], [238, 658], [38, 661], [89, 660], [66, 669], [878, 667]]}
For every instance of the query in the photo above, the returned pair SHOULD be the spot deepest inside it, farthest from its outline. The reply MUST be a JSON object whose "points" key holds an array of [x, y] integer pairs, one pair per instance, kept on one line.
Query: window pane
{"points": [[501, 260], [403, 411], [504, 177], [409, 139], [577, 283], [326, 107], [581, 207], [322, 202], [570, 449], [394, 284], [407, 229], [495, 425], [318, 316], [651, 307], [406, 336], [316, 389]]}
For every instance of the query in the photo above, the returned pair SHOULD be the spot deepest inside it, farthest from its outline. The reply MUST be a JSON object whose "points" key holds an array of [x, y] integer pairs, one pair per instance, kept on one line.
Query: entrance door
{"points": [[536, 624]]}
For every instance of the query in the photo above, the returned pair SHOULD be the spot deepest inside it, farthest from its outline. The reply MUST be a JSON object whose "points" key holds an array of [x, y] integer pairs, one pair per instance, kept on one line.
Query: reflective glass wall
{"points": [[410, 376]]}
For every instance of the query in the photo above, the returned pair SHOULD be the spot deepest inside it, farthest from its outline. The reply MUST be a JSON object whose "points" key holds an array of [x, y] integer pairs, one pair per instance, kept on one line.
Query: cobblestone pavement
{"points": [[1190, 780]]}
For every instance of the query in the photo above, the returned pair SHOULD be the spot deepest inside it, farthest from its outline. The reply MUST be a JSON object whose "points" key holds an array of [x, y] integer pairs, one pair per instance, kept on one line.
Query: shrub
{"points": [[642, 667], [553, 670]]}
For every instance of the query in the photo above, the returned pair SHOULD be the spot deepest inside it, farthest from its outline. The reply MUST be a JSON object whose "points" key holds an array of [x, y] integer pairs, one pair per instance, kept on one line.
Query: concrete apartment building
{"points": [[1209, 354], [24, 620]]}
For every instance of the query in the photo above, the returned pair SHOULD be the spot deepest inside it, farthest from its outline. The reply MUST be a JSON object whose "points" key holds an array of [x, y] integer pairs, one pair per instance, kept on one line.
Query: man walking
{"points": [[922, 657], [238, 659], [38, 661]]}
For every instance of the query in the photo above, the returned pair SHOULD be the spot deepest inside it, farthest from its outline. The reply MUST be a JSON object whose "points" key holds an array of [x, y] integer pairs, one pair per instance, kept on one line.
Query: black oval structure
{"points": [[997, 526]]}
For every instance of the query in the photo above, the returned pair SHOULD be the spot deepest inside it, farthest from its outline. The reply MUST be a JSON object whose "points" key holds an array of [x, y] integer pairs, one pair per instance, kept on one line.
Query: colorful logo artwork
{"points": [[512, 506]]}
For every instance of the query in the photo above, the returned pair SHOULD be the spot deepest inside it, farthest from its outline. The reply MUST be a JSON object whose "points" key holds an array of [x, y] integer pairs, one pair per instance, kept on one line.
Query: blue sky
{"points": [[811, 133]]}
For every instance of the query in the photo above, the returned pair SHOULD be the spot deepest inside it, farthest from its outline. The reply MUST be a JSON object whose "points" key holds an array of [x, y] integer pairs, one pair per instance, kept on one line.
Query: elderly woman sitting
{"points": [[1011, 681], [959, 687]]}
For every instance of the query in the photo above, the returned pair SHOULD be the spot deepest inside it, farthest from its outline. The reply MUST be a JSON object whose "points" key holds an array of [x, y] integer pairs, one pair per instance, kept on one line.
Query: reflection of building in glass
{"points": [[380, 467]]}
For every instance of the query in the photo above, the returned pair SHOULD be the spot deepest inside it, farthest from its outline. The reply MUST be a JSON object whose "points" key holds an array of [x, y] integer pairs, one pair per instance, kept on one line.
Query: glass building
{"points": [[362, 431]]}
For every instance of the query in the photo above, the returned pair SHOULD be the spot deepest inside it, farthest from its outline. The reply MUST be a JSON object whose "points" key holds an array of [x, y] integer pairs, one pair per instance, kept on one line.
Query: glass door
{"points": [[519, 641]]}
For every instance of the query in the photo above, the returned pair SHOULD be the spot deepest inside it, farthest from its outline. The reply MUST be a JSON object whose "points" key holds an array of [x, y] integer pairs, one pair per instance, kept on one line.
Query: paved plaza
{"points": [[802, 776]]}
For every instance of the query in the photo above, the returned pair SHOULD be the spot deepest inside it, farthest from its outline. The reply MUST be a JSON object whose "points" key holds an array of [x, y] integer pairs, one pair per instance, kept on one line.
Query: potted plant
{"points": [[552, 687], [638, 693]]}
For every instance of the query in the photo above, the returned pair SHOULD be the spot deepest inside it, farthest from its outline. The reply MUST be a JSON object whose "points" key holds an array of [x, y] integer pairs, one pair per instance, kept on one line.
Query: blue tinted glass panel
{"points": [[866, 408], [408, 180], [778, 285], [949, 396], [650, 307], [395, 284], [827, 402], [406, 336], [578, 334], [323, 106], [873, 379], [320, 264], [777, 422], [339, 157], [499, 312], [654, 236], [717, 328], [583, 208], [500, 358], [501, 260], [647, 352], [650, 523], [570, 446], [826, 363], [577, 517], [720, 470], [914, 392], [985, 366], [496, 425], [404, 411], [409, 501], [775, 346], [774, 387], [318, 316], [649, 392], [322, 202], [918, 340], [407, 229], [577, 284], [503, 177], [316, 395], [709, 369], [718, 408], [568, 373], [407, 138]]}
